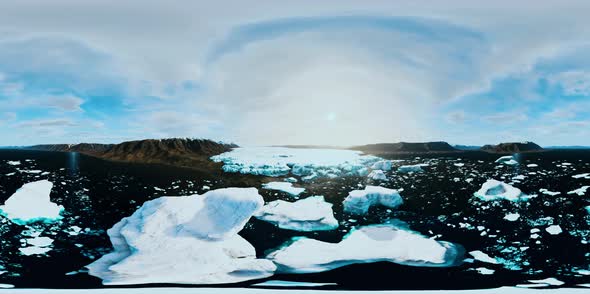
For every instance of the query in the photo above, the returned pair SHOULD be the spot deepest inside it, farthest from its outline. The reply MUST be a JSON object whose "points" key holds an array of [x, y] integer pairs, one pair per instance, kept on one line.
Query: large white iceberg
{"points": [[359, 201], [284, 187], [494, 190], [508, 160], [411, 168], [304, 162], [31, 203], [384, 165], [309, 214], [185, 240], [367, 244]]}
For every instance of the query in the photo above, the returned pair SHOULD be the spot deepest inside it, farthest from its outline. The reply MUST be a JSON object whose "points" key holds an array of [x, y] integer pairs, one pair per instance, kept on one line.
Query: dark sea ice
{"points": [[438, 203]]}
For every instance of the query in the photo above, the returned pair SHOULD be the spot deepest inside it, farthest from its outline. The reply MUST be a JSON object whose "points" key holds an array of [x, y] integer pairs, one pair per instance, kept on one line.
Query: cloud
{"points": [[574, 82], [65, 103], [456, 117], [43, 123], [511, 117]]}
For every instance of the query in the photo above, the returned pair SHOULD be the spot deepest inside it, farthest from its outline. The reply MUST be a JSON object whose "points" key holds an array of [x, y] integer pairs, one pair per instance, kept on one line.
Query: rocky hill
{"points": [[405, 147], [512, 147], [192, 153]]}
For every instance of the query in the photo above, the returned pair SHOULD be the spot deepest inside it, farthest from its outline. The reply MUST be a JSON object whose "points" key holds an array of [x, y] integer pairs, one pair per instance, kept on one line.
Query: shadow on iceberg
{"points": [[185, 240]]}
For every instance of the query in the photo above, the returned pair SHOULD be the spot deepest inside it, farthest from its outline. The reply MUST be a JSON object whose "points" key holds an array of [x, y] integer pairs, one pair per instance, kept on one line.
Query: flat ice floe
{"points": [[31, 203], [582, 176], [580, 191], [483, 257], [309, 214], [185, 240], [366, 244], [284, 187], [495, 190], [359, 201], [411, 168], [307, 163]]}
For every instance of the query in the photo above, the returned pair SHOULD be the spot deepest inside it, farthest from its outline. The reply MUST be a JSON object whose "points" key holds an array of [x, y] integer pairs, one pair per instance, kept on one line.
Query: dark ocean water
{"points": [[438, 202]]}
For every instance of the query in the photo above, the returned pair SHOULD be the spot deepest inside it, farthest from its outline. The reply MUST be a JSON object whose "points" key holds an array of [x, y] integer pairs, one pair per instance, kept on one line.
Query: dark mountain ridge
{"points": [[406, 147], [192, 153], [512, 147]]}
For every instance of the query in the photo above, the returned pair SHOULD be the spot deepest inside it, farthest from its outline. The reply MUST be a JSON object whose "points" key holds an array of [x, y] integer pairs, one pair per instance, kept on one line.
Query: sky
{"points": [[295, 72]]}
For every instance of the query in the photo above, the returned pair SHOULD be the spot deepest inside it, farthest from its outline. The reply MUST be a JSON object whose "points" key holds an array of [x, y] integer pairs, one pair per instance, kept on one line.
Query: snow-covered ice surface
{"points": [[286, 187], [365, 244], [31, 203], [307, 163], [186, 240], [359, 201], [309, 214]]}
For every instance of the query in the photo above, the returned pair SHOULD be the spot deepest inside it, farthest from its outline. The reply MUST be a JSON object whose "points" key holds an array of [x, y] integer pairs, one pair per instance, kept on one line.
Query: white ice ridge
{"points": [[309, 214], [31, 203], [359, 201], [494, 190], [508, 160], [185, 240], [285, 187], [366, 244], [307, 163]]}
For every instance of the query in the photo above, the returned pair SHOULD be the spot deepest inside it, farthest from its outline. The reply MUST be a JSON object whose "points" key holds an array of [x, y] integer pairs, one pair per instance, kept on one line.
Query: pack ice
{"points": [[359, 201], [307, 163], [374, 243], [494, 190], [309, 214], [185, 240], [31, 203]]}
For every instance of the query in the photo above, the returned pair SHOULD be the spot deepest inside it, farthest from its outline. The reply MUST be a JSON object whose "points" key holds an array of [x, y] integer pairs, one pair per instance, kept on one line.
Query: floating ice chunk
{"points": [[185, 240], [359, 201], [384, 165], [548, 281], [367, 244], [309, 214], [547, 192], [40, 241], [34, 250], [284, 187], [159, 189], [485, 271], [291, 180], [378, 175], [31, 203], [582, 176], [580, 191], [494, 190], [32, 171], [512, 217], [554, 230], [532, 165], [411, 168], [479, 255], [307, 163], [6, 286], [508, 160], [459, 164], [15, 162]]}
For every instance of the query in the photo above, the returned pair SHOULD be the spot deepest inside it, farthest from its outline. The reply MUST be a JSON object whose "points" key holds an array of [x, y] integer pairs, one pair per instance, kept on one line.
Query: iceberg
{"points": [[15, 162], [554, 230], [582, 176], [185, 240], [375, 243], [304, 162], [31, 203], [495, 190], [359, 201], [286, 187], [411, 168], [511, 217], [483, 257], [508, 160], [377, 175], [384, 165], [309, 214]]}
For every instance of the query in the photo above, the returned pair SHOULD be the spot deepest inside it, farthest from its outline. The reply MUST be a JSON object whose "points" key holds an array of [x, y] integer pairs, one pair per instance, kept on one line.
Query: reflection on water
{"points": [[72, 165]]}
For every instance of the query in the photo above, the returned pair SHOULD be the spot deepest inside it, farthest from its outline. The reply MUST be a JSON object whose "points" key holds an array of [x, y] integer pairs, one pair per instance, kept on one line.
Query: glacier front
{"points": [[185, 240], [305, 162], [374, 243]]}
